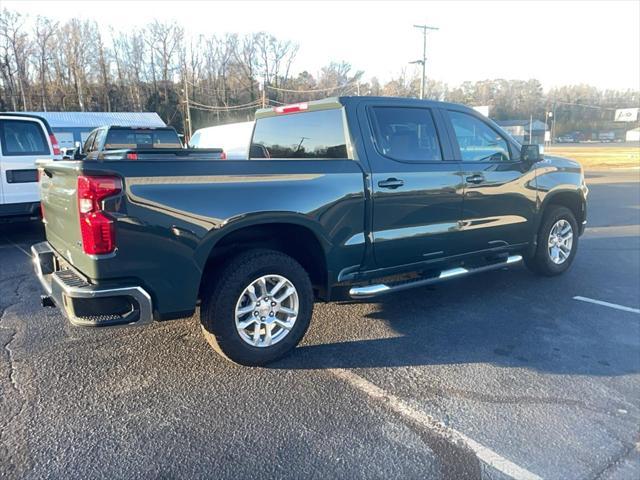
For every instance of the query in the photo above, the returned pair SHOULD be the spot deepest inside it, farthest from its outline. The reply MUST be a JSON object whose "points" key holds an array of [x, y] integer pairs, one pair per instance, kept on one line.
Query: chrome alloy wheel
{"points": [[560, 241], [267, 310]]}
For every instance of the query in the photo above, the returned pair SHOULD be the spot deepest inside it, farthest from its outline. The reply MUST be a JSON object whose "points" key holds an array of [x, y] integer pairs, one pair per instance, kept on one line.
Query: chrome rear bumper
{"points": [[86, 304]]}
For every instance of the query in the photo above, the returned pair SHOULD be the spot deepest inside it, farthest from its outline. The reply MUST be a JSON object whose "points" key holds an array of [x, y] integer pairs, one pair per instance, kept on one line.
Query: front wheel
{"points": [[557, 242], [259, 307]]}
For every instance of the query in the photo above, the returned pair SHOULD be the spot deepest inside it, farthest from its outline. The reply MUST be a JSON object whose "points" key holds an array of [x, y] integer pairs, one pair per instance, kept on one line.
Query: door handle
{"points": [[391, 183], [477, 178]]}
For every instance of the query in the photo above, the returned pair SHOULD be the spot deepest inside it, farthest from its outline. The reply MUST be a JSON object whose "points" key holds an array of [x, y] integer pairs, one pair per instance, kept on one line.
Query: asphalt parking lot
{"points": [[500, 375]]}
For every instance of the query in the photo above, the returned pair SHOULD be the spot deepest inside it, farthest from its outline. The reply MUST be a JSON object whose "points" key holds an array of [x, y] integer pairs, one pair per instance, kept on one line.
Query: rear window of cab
{"points": [[126, 138], [310, 135]]}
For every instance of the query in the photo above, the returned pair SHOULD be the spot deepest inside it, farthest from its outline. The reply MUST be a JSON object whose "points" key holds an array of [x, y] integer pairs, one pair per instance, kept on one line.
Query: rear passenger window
{"points": [[318, 134], [406, 134], [23, 137]]}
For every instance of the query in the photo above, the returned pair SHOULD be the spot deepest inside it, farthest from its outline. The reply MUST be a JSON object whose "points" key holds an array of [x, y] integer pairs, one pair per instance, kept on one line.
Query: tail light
{"points": [[54, 144], [223, 156], [96, 227], [132, 156], [38, 177]]}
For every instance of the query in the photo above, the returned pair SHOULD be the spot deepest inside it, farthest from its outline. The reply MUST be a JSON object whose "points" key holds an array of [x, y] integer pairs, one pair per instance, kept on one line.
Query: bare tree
{"points": [[247, 58], [18, 46], [166, 39], [105, 70], [276, 56], [73, 66], [44, 32]]}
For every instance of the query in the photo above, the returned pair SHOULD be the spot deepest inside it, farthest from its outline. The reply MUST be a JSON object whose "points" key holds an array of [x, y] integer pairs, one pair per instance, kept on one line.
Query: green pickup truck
{"points": [[362, 195]]}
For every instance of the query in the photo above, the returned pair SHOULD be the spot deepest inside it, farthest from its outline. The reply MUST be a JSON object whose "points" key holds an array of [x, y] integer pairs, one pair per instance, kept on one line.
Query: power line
{"points": [[594, 107], [213, 91], [255, 107], [289, 90], [225, 106], [313, 90], [217, 108]]}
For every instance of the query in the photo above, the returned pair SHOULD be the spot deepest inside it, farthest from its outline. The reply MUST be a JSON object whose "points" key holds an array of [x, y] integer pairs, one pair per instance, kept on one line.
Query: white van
{"points": [[232, 138], [23, 140]]}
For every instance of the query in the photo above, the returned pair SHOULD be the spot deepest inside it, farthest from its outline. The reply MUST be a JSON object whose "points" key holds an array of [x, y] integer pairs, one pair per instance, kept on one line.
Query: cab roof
{"points": [[338, 102]]}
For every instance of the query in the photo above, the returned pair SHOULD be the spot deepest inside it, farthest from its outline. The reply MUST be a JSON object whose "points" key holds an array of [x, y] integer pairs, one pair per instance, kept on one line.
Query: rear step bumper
{"points": [[369, 291], [85, 304]]}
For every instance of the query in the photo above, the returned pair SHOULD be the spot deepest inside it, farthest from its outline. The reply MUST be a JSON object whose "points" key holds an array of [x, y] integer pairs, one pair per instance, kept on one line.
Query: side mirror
{"points": [[530, 153], [77, 154]]}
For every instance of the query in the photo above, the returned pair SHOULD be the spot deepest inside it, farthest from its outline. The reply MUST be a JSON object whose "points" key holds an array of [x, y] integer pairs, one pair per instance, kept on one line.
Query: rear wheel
{"points": [[557, 242], [259, 307]]}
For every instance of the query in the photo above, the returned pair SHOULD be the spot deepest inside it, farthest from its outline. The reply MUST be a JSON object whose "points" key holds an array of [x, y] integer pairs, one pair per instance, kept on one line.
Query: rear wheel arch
{"points": [[293, 239]]}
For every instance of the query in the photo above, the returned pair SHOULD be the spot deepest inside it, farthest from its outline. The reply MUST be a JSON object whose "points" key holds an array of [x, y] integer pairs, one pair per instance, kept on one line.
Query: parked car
{"points": [[68, 153], [139, 143], [373, 194], [23, 140], [233, 138], [606, 137]]}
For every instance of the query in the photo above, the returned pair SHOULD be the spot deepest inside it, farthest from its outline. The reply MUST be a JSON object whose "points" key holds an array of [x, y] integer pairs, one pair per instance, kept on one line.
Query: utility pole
{"points": [[423, 62], [553, 123], [187, 129]]}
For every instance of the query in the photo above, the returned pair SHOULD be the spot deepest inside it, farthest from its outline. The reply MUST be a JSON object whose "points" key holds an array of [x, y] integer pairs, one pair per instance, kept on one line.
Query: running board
{"points": [[369, 291]]}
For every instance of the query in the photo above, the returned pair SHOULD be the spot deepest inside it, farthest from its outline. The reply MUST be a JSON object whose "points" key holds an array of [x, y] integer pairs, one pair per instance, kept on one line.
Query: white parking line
{"points": [[483, 453], [18, 247], [14, 244], [607, 304]]}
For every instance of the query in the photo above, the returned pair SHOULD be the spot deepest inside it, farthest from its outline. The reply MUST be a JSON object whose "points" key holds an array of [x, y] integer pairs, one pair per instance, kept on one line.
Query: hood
{"points": [[561, 163]]}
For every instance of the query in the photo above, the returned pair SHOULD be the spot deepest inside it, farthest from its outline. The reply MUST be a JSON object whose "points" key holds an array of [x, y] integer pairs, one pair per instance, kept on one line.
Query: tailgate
{"points": [[58, 186]]}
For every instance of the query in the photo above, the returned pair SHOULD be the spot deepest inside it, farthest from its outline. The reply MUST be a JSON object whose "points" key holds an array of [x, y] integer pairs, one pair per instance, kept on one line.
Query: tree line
{"points": [[46, 65]]}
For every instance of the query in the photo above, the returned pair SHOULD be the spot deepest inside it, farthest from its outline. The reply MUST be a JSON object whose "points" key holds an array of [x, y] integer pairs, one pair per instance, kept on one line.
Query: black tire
{"points": [[217, 313], [540, 261]]}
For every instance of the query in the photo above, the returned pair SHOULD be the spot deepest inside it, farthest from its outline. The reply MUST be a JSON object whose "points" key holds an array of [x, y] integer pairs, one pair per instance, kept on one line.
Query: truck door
{"points": [[416, 184], [23, 142], [499, 190]]}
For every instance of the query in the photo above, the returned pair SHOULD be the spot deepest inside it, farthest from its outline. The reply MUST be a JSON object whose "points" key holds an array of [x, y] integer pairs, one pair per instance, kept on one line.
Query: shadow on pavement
{"points": [[509, 319], [21, 232]]}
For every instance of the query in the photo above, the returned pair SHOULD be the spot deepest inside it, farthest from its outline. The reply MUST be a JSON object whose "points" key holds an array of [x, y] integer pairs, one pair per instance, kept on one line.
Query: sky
{"points": [[556, 42]]}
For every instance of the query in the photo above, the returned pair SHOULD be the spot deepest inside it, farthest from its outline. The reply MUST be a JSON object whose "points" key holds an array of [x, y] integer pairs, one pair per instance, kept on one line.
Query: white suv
{"points": [[23, 140]]}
